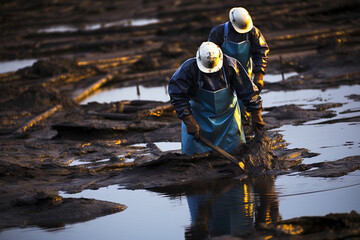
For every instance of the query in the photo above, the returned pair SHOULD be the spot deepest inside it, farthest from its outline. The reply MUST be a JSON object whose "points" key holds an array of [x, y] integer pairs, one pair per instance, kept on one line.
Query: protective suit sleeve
{"points": [[259, 80], [245, 89], [259, 50], [182, 87]]}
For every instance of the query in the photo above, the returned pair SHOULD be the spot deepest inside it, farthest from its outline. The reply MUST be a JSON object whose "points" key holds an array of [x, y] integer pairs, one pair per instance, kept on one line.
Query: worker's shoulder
{"points": [[189, 63], [255, 31], [186, 68], [218, 28]]}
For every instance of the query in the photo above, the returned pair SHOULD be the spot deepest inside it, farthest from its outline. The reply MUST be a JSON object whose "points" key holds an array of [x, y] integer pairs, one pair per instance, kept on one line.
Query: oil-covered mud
{"points": [[50, 142]]}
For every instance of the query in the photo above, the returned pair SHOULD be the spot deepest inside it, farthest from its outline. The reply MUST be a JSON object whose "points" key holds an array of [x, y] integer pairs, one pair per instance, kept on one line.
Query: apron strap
{"points": [[200, 83], [225, 78], [226, 31]]}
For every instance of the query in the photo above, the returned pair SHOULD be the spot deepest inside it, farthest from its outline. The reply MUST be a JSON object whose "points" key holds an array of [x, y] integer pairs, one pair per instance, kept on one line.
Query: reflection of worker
{"points": [[240, 39], [231, 207], [267, 210], [202, 92], [223, 211]]}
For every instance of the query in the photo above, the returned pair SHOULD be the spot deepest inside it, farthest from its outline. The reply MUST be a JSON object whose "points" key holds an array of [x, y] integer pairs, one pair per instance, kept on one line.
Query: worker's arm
{"points": [[182, 87], [259, 51], [246, 91]]}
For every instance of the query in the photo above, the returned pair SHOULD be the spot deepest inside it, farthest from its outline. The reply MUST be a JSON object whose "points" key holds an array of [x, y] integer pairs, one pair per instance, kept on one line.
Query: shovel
{"points": [[222, 152]]}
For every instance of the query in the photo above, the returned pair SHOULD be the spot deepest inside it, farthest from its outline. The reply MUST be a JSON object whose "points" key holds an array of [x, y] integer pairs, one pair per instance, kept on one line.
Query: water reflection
{"points": [[217, 208], [228, 207]]}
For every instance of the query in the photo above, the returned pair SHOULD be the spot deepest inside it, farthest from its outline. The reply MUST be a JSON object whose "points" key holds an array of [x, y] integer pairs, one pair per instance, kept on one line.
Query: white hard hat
{"points": [[209, 57], [240, 20]]}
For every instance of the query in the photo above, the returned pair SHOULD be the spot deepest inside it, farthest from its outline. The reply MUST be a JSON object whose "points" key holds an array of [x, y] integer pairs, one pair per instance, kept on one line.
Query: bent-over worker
{"points": [[202, 92]]}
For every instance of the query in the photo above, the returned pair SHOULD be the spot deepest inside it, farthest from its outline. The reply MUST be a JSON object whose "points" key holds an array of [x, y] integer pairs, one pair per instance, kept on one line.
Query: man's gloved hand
{"points": [[192, 127], [258, 81], [257, 121]]}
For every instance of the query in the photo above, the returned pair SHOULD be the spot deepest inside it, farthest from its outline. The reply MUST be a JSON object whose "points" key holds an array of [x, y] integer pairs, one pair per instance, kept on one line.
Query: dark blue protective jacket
{"points": [[184, 84], [259, 47]]}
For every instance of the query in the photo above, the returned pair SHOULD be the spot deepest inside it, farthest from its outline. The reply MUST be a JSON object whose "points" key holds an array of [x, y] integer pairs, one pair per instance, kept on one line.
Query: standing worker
{"points": [[240, 39], [202, 92]]}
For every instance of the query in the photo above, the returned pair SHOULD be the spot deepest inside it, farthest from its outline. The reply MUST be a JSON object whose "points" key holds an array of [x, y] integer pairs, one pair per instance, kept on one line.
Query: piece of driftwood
{"points": [[37, 119]]}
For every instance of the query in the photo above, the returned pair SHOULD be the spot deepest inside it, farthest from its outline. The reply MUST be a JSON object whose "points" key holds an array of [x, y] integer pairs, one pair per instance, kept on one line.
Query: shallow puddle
{"points": [[78, 162], [10, 66], [132, 22], [168, 146], [60, 28], [309, 97], [96, 26], [130, 93], [272, 78]]}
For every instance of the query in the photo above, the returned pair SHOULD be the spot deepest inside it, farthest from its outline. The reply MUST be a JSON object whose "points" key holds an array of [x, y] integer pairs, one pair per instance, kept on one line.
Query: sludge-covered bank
{"points": [[45, 128]]}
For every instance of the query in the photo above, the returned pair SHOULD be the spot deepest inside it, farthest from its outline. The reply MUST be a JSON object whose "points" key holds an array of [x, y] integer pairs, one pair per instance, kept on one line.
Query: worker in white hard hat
{"points": [[204, 92], [240, 39]]}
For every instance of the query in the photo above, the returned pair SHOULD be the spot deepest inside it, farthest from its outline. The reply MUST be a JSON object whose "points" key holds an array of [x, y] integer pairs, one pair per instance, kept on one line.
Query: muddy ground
{"points": [[44, 127]]}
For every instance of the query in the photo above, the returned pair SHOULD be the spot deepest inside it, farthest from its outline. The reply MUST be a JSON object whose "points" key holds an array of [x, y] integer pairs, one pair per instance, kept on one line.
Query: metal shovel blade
{"points": [[222, 152]]}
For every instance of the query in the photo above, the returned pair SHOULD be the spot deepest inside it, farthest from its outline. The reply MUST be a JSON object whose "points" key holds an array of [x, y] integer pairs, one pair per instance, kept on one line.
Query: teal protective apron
{"points": [[241, 52], [217, 114]]}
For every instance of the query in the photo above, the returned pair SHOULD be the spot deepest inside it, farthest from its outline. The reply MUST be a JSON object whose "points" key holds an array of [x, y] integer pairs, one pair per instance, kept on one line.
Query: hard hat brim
{"points": [[209, 70]]}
